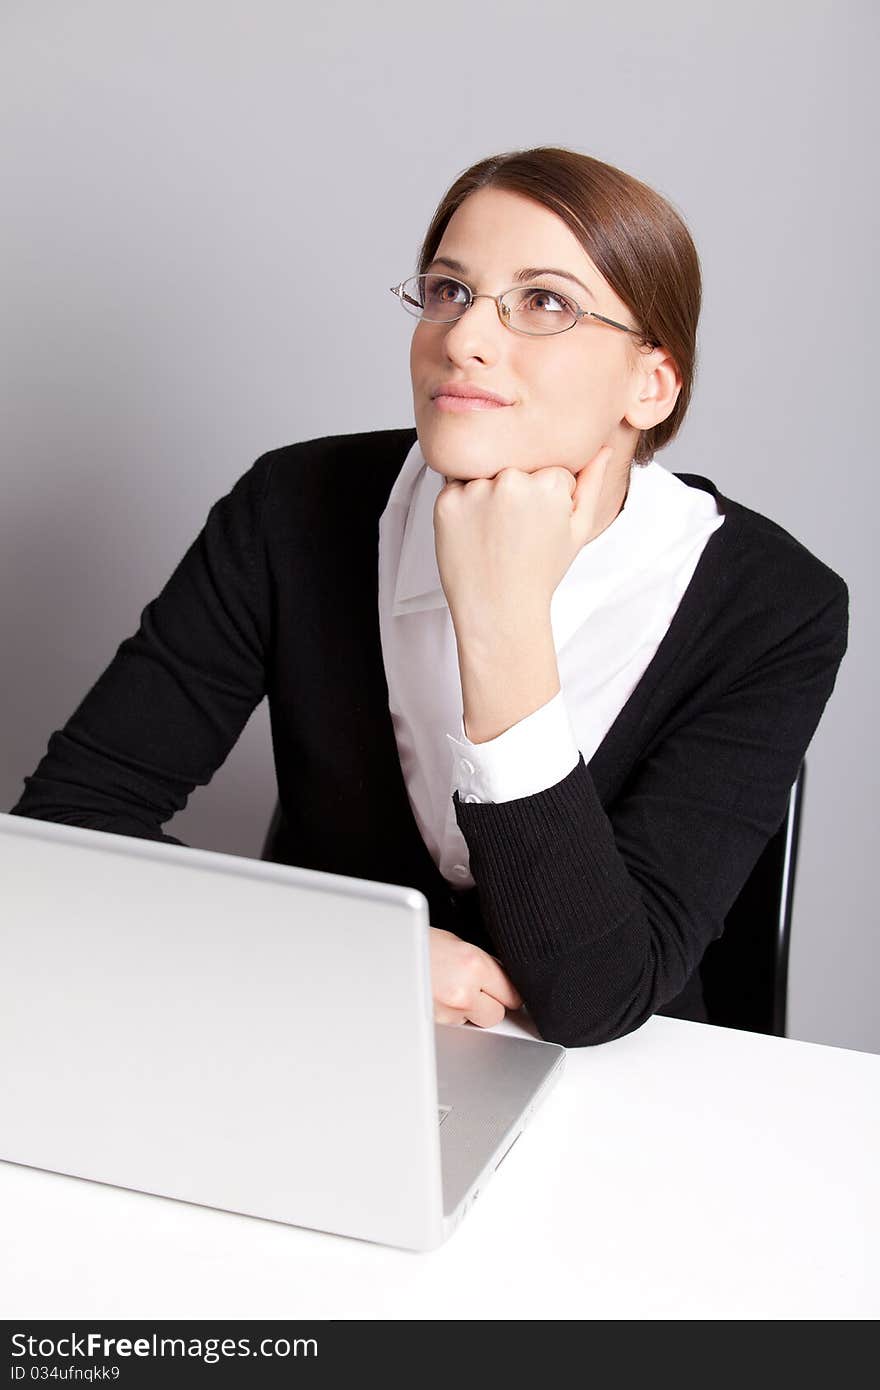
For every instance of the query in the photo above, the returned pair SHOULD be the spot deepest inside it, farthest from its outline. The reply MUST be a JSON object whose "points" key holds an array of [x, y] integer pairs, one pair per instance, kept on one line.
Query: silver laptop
{"points": [[243, 1035]]}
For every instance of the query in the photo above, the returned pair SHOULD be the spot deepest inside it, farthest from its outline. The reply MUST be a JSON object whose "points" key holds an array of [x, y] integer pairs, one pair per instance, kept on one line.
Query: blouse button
{"points": [[470, 797]]}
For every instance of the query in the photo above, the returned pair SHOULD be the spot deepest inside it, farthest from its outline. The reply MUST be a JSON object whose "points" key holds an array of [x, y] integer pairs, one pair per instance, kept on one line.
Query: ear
{"points": [[656, 384]]}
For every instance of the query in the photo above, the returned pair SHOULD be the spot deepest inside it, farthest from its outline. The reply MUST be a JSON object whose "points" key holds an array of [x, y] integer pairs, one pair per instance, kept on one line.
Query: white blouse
{"points": [[609, 614]]}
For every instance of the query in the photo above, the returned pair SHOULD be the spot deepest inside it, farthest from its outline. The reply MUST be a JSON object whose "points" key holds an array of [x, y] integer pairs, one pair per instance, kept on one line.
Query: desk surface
{"points": [[683, 1171]]}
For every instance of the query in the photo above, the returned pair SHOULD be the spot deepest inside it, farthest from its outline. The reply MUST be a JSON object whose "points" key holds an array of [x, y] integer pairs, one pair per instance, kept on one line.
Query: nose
{"points": [[478, 332]]}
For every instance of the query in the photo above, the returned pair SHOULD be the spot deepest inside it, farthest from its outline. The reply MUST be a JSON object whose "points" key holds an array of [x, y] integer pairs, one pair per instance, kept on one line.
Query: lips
{"points": [[465, 390], [465, 404]]}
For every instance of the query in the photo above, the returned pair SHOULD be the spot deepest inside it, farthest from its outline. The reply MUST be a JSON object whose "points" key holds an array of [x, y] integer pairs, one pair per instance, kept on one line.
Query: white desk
{"points": [[681, 1172]]}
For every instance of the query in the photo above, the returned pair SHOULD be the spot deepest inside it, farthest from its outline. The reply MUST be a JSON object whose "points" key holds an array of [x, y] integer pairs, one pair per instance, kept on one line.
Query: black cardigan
{"points": [[598, 895]]}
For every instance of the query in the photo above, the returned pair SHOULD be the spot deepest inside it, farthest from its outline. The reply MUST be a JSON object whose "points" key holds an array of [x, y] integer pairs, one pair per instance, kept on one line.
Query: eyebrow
{"points": [[528, 272]]}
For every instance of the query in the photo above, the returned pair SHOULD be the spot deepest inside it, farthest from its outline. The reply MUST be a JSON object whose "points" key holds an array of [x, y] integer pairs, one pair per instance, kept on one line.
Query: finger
{"points": [[590, 477], [589, 485], [482, 1009], [485, 1011], [566, 473], [444, 1013], [498, 983]]}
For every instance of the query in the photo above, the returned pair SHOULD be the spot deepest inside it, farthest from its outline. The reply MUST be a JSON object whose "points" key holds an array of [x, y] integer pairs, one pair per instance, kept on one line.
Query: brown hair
{"points": [[634, 237]]}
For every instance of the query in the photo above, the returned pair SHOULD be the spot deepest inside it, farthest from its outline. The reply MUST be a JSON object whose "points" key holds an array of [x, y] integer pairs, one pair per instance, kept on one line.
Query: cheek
{"points": [[563, 386], [424, 343], [570, 398], [581, 383]]}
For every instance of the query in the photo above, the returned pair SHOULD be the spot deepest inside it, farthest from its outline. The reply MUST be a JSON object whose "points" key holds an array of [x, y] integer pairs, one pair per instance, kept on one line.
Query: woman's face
{"points": [[571, 392]]}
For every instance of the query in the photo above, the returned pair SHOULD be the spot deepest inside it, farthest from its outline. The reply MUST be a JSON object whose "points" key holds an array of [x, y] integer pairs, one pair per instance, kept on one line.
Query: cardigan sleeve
{"points": [[167, 710], [601, 915]]}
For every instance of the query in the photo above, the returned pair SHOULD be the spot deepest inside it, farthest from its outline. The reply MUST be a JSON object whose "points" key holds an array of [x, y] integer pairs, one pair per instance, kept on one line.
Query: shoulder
{"points": [[353, 471], [768, 565]]}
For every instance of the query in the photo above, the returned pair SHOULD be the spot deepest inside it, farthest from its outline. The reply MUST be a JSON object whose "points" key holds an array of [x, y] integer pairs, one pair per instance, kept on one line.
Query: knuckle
{"points": [[472, 963], [509, 478], [443, 1015], [458, 995], [555, 477]]}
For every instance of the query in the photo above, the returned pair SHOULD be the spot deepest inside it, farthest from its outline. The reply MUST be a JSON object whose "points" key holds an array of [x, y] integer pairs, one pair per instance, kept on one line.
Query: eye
{"points": [[442, 291], [555, 303]]}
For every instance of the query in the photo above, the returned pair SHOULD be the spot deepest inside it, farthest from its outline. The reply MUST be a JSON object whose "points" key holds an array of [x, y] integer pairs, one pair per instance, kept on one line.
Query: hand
{"points": [[503, 544], [468, 983]]}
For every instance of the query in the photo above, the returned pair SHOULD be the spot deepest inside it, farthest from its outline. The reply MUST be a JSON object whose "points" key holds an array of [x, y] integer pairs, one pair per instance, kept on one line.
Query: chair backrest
{"points": [[745, 972], [269, 843]]}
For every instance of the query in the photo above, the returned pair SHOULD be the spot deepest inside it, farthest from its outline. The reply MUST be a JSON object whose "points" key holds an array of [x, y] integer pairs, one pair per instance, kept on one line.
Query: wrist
{"points": [[505, 677], [485, 633]]}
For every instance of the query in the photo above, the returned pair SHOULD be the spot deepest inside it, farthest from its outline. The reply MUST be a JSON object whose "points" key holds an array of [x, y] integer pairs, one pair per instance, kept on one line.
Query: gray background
{"points": [[190, 190]]}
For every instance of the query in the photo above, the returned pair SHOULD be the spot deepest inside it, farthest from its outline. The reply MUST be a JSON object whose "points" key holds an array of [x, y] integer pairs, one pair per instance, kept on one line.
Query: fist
{"points": [[468, 984], [503, 544]]}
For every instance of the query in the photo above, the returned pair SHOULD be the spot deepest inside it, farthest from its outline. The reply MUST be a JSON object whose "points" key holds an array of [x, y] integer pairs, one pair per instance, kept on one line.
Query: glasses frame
{"points": [[504, 313]]}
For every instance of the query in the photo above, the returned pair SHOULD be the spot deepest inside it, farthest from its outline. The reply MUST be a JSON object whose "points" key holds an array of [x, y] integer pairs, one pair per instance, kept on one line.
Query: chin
{"points": [[458, 457], [461, 469]]}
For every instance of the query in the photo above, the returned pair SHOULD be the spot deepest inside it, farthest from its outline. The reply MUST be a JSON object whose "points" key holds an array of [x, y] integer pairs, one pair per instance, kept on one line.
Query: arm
{"points": [[167, 710], [600, 915]]}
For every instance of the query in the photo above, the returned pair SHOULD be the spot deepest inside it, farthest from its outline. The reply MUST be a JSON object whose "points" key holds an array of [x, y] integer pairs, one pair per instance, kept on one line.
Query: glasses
{"points": [[530, 309]]}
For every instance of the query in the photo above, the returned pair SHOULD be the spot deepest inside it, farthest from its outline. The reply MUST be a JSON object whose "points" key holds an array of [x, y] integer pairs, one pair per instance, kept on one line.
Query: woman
{"points": [[574, 715]]}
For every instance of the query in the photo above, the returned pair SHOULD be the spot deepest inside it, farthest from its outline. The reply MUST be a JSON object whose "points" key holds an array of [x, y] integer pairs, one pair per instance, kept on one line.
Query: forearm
{"points": [[564, 915], [506, 674], [566, 920], [601, 903]]}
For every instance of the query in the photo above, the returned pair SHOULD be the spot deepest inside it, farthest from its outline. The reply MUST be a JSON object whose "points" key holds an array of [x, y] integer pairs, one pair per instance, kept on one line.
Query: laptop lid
{"points": [[230, 1032]]}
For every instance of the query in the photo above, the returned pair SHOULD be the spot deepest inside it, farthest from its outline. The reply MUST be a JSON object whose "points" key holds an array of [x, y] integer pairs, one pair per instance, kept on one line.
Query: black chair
{"points": [[745, 972], [269, 849]]}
